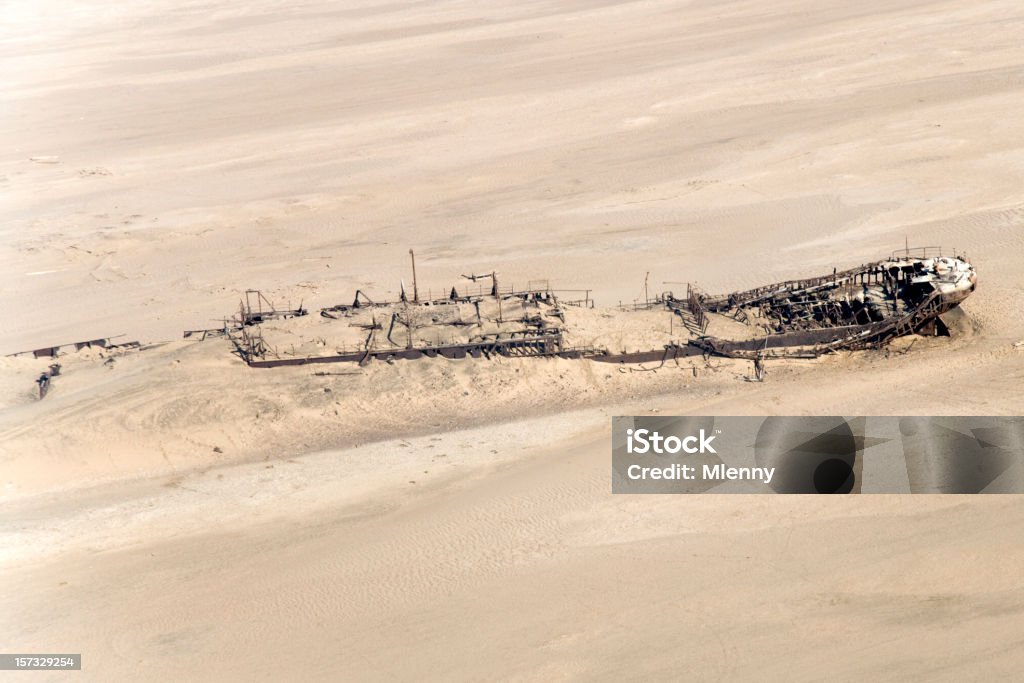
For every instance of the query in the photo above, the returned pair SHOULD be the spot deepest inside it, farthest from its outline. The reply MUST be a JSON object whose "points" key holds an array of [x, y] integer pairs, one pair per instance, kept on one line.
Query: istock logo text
{"points": [[645, 441]]}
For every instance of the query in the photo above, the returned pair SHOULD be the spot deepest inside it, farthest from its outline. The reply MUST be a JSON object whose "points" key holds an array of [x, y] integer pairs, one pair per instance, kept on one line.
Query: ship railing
{"points": [[917, 253]]}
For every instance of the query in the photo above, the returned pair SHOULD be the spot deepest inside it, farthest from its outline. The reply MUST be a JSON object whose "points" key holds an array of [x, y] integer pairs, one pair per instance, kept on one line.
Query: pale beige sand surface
{"points": [[175, 515], [524, 570]]}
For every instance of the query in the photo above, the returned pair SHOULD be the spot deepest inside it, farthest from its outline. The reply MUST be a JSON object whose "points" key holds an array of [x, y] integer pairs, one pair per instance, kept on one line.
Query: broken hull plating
{"points": [[855, 309]]}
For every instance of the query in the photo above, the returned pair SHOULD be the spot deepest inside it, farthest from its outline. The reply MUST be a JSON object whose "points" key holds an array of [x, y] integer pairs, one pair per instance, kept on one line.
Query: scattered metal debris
{"points": [[54, 351], [759, 370], [46, 378]]}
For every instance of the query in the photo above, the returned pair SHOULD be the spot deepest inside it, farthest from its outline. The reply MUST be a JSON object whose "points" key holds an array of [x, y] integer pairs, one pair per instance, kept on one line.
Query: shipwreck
{"points": [[858, 308], [853, 309]]}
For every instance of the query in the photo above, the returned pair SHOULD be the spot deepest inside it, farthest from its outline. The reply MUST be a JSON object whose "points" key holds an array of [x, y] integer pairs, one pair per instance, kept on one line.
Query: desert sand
{"points": [[175, 515]]}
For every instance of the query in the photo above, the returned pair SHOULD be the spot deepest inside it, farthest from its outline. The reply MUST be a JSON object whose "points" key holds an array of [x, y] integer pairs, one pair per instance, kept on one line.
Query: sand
{"points": [[175, 515]]}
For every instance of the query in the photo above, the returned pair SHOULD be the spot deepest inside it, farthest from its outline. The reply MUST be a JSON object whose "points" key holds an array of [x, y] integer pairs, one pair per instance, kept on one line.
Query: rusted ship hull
{"points": [[856, 308], [852, 309]]}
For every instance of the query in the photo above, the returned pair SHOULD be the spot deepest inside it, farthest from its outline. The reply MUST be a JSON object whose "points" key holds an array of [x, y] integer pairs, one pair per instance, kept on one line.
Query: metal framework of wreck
{"points": [[852, 309], [858, 308], [253, 309], [530, 336]]}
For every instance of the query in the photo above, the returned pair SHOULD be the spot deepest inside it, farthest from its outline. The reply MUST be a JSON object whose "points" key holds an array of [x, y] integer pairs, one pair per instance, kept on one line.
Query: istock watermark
{"points": [[817, 454]]}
